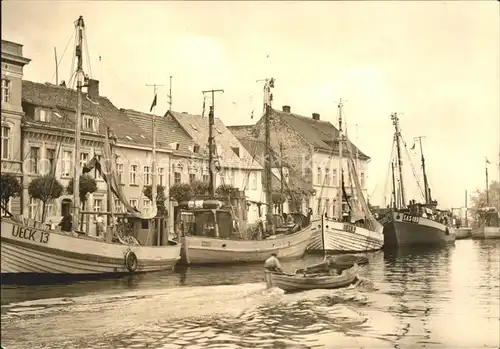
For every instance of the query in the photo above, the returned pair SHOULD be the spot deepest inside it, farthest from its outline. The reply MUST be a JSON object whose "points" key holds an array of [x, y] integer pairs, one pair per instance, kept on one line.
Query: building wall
{"points": [[12, 112], [126, 155]]}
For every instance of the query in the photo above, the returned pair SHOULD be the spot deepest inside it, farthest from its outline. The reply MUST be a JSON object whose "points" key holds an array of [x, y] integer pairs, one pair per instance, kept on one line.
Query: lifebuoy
{"points": [[131, 261]]}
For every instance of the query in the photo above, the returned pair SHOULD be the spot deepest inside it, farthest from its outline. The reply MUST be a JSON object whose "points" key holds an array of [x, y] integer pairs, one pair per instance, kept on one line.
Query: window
{"points": [[147, 175], [51, 208], [33, 208], [319, 207], [192, 177], [327, 205], [254, 180], [119, 172], [319, 175], [43, 115], [90, 123], [6, 133], [8, 207], [67, 163], [247, 181], [133, 175], [118, 206], [5, 91], [327, 176], [232, 180], [196, 148], [50, 155], [97, 205], [206, 178], [177, 177], [34, 158], [146, 204], [133, 203], [84, 158], [334, 177], [161, 172], [362, 179]]}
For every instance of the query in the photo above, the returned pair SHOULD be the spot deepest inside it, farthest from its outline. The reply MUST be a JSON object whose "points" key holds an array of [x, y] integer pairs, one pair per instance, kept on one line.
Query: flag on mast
{"points": [[153, 104]]}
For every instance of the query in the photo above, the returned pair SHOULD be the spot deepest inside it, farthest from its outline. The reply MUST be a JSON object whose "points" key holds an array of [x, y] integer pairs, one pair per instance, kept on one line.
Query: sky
{"points": [[435, 63]]}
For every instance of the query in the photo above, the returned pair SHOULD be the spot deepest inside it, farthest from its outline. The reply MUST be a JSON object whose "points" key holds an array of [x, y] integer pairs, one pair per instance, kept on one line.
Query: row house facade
{"points": [[186, 136], [47, 144], [13, 63], [310, 148]]}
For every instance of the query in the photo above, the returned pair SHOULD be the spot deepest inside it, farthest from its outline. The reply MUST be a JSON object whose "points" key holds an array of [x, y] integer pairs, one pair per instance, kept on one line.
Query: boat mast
{"points": [[281, 176], [487, 184], [428, 198], [395, 202], [341, 140], [466, 210], [397, 138], [267, 150], [211, 144], [78, 122]]}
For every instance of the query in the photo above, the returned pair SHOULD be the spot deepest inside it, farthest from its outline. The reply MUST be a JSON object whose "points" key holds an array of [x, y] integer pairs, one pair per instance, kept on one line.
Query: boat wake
{"points": [[240, 315]]}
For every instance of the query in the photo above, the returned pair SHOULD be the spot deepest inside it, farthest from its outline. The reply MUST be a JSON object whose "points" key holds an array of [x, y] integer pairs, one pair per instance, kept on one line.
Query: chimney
{"points": [[93, 88], [286, 108], [315, 116]]}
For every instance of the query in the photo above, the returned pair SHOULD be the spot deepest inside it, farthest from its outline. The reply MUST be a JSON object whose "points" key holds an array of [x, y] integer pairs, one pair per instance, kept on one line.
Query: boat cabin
{"points": [[207, 218], [488, 217]]}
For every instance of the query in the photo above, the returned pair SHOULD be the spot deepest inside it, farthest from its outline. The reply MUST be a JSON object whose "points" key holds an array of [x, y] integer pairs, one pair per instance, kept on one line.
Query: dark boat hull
{"points": [[403, 230]]}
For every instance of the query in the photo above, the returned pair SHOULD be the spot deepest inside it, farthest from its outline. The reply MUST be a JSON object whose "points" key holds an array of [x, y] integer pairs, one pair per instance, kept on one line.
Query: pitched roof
{"points": [[196, 126], [321, 134], [168, 131], [63, 100]]}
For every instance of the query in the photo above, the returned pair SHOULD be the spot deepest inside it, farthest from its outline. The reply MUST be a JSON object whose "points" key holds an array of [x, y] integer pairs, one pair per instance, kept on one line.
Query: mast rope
{"points": [[412, 165], [64, 52]]}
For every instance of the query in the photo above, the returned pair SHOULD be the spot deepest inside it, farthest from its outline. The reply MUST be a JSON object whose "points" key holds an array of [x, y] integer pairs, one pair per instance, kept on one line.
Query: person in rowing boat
{"points": [[272, 265]]}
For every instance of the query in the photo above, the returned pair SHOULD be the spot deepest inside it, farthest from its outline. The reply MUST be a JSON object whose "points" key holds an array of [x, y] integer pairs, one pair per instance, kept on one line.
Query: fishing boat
{"points": [[488, 220], [304, 282], [212, 233], [415, 223], [29, 247], [357, 230]]}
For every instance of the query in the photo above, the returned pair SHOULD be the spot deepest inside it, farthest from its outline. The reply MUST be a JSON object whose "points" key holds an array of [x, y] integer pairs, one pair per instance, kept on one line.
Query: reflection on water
{"points": [[434, 298]]}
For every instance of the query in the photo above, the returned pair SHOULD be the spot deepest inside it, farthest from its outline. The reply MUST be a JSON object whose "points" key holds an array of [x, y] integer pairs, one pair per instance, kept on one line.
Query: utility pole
{"points": [[487, 184], [170, 94], [268, 98], [211, 143]]}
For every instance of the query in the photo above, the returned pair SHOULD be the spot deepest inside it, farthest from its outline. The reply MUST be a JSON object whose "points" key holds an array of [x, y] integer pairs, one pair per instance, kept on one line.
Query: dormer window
{"points": [[236, 150], [43, 115], [196, 148], [218, 131], [90, 123], [194, 127]]}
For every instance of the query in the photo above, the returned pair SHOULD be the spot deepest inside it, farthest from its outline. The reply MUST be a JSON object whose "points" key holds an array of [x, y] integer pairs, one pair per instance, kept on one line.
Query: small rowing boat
{"points": [[304, 282]]}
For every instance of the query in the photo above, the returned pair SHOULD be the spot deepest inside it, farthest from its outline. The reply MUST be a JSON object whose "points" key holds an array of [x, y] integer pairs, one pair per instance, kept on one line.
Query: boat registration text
{"points": [[30, 234], [349, 228], [410, 219]]}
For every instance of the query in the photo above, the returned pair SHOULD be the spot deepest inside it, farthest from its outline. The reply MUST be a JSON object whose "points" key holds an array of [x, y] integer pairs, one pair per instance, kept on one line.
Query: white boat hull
{"points": [[298, 282], [32, 250], [345, 237], [486, 233], [205, 250]]}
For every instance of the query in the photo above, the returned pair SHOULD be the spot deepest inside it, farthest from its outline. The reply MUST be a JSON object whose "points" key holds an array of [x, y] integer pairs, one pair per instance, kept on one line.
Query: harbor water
{"points": [[438, 298]]}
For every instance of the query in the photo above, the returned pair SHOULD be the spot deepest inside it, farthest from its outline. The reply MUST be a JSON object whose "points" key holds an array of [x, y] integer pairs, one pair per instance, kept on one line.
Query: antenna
{"points": [[57, 66]]}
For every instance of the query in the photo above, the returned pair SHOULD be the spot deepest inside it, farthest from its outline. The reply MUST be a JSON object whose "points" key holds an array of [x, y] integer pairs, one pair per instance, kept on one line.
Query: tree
{"points": [[9, 187], [199, 188], [181, 192], [161, 198], [225, 190], [88, 185], [478, 199], [45, 188]]}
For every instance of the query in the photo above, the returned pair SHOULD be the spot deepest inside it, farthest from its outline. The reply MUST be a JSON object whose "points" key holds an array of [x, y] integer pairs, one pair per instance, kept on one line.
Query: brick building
{"points": [[310, 148]]}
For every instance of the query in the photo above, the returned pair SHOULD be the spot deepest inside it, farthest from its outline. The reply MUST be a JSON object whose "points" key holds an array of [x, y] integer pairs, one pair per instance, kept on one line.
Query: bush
{"points": [[9, 187], [199, 188], [181, 192], [225, 190], [161, 198], [45, 188]]}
